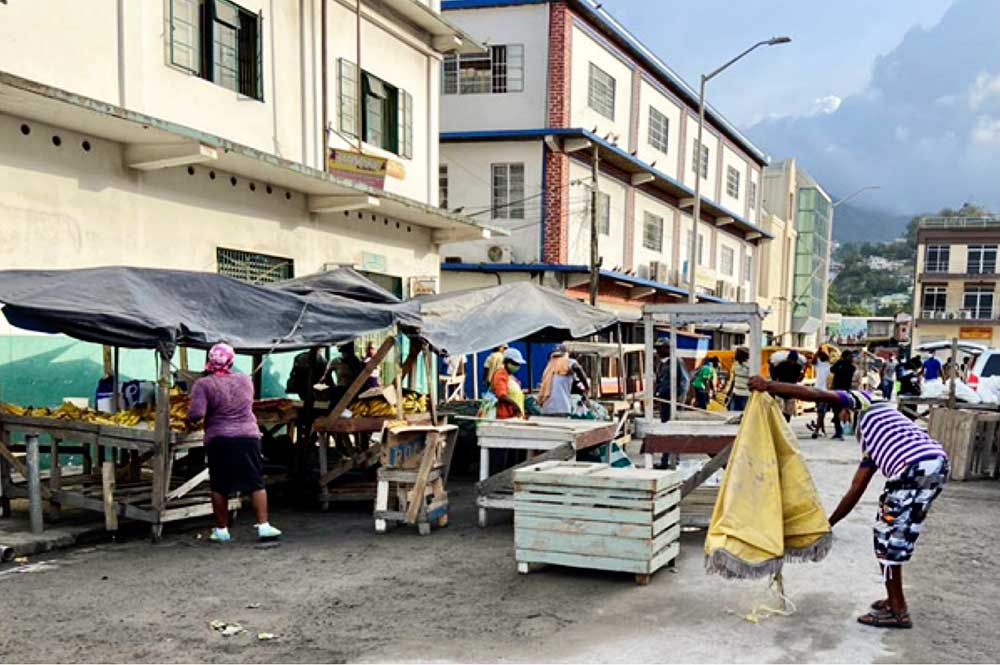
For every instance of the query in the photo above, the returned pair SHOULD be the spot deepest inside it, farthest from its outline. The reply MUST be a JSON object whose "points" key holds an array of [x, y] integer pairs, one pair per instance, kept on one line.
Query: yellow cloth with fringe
{"points": [[768, 510]]}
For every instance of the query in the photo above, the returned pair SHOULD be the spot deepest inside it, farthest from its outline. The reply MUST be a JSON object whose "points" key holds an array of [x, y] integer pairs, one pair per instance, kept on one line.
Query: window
{"points": [[508, 191], [935, 299], [978, 301], [603, 213], [387, 115], [219, 41], [253, 268], [733, 182], [498, 71], [652, 232], [752, 190], [601, 92], [747, 267], [982, 259], [443, 186], [659, 127], [701, 249], [728, 261], [704, 159], [936, 259]]}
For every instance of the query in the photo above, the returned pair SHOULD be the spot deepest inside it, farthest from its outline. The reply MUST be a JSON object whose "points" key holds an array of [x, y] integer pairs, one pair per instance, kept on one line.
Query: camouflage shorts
{"points": [[903, 507]]}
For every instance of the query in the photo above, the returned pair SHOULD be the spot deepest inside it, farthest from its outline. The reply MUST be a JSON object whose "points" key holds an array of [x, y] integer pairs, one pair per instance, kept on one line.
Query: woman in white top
{"points": [[822, 368]]}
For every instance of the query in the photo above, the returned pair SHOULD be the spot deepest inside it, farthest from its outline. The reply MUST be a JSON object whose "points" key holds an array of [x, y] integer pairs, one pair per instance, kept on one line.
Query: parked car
{"points": [[986, 364]]}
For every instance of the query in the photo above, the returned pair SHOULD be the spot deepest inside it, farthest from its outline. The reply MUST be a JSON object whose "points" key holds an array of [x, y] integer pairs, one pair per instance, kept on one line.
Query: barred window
{"points": [[652, 232], [732, 182], [253, 268], [443, 186], [659, 126], [601, 92], [499, 70], [508, 191], [728, 261], [704, 159]]}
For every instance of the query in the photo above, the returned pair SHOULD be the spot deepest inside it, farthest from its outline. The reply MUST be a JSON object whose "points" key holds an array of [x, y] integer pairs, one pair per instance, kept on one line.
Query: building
{"points": [[792, 194], [222, 136], [955, 290], [564, 84], [775, 280]]}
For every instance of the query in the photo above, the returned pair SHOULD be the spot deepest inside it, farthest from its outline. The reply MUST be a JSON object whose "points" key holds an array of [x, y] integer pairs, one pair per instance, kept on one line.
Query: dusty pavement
{"points": [[334, 591]]}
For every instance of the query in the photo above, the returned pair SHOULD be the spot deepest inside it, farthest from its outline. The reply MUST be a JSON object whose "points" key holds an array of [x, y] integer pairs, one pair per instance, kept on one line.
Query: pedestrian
{"points": [[506, 387], [932, 368], [346, 367], [821, 366], [889, 371], [663, 378], [916, 469], [375, 379], [704, 383], [741, 374], [224, 399], [494, 361], [789, 370], [561, 373], [842, 378]]}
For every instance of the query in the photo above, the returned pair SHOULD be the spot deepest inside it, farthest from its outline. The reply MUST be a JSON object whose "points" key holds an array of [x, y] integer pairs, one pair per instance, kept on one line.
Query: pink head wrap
{"points": [[220, 359]]}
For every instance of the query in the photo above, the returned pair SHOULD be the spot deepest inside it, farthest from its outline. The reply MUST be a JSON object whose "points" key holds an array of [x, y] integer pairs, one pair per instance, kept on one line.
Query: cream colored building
{"points": [[956, 278], [195, 134], [775, 279]]}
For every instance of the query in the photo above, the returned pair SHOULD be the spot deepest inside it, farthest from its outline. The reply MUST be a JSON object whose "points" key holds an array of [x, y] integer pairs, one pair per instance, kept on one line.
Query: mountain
{"points": [[926, 128], [859, 224]]}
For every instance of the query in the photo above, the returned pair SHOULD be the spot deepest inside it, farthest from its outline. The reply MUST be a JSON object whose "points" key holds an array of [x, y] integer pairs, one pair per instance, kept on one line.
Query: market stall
{"points": [[158, 310]]}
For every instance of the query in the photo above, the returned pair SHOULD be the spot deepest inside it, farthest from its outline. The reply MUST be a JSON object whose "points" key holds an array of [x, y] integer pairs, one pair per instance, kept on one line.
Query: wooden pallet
{"points": [[588, 515]]}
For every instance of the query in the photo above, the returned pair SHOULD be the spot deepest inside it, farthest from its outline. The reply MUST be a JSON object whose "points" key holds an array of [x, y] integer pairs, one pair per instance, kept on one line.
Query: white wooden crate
{"points": [[589, 515]]}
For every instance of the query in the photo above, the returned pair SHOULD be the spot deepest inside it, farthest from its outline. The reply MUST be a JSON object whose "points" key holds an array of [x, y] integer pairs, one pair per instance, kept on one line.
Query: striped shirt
{"points": [[889, 440]]}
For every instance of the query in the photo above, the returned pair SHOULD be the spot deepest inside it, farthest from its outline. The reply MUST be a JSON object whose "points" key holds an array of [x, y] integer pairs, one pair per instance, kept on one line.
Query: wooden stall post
{"points": [[399, 375], [108, 491], [258, 375], [648, 377], [475, 376], [34, 485], [161, 481], [954, 371], [431, 397], [4, 485], [183, 361], [55, 477]]}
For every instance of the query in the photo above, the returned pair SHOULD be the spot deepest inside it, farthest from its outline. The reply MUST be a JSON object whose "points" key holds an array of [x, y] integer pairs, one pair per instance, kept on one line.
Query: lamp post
{"points": [[705, 78]]}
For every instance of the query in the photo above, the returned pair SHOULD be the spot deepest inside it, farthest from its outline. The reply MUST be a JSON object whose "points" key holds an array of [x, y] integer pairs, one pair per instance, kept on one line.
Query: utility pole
{"points": [[595, 259]]}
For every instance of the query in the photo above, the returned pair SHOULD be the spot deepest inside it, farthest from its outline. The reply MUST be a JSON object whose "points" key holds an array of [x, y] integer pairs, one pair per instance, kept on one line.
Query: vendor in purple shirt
{"points": [[224, 400]]}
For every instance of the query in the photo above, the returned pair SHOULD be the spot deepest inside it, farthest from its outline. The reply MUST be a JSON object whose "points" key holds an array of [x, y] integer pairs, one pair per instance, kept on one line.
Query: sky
{"points": [[904, 94]]}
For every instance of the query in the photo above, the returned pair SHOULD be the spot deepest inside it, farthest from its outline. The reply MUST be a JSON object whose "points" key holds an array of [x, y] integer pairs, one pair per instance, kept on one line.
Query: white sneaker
{"points": [[265, 531], [220, 536]]}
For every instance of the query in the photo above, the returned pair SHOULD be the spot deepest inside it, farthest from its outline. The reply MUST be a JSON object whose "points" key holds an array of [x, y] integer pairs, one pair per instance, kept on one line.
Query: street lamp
{"points": [[866, 188], [705, 78]]}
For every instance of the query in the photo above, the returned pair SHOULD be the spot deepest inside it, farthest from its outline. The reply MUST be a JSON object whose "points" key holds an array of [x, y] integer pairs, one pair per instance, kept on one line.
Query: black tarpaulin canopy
{"points": [[149, 308], [347, 283], [477, 320], [344, 281]]}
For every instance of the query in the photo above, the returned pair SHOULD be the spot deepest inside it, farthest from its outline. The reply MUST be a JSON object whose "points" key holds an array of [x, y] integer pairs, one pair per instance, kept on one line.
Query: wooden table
{"points": [[557, 438]]}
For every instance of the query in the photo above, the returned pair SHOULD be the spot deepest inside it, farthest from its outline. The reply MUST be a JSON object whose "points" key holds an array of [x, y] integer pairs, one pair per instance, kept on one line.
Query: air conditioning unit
{"points": [[642, 272], [927, 314], [500, 254], [658, 272]]}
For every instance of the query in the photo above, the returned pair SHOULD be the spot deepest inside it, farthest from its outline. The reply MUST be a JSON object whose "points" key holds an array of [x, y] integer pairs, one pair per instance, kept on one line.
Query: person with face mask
{"points": [[506, 387], [916, 468]]}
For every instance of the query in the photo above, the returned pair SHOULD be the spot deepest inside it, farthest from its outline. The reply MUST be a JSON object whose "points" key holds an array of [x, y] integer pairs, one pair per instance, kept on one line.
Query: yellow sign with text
{"points": [[975, 333]]}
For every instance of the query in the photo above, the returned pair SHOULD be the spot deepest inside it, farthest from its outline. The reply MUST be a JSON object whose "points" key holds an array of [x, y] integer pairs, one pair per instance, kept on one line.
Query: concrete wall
{"points": [[733, 160], [709, 185], [527, 25], [645, 203], [650, 95], [611, 246], [469, 187], [587, 50]]}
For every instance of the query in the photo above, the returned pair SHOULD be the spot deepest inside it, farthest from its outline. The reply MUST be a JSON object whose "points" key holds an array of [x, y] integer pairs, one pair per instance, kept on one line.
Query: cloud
{"points": [[826, 105], [926, 128]]}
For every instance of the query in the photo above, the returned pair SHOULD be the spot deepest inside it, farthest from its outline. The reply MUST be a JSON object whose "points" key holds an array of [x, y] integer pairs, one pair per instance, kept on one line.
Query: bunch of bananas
{"points": [[137, 415], [413, 402]]}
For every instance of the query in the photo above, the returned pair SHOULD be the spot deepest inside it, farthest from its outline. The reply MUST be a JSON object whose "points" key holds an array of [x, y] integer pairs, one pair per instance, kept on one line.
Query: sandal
{"points": [[886, 619], [881, 605]]}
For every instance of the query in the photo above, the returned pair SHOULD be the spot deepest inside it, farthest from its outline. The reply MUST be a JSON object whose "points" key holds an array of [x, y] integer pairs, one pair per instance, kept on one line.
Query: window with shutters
{"points": [[508, 191], [732, 182], [601, 92], [652, 232], [659, 126], [386, 114], [704, 159], [443, 186], [219, 41], [253, 268], [499, 70]]}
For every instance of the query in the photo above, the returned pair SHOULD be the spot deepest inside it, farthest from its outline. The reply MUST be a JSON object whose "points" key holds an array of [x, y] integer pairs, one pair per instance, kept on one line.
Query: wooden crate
{"points": [[971, 439], [697, 507], [589, 515]]}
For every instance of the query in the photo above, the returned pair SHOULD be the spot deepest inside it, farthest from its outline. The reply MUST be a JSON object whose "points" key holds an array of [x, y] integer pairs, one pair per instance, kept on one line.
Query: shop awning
{"points": [[148, 308]]}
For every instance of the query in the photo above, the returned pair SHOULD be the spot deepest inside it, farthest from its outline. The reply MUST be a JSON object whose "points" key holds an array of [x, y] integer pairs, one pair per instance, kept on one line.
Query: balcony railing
{"points": [[959, 315], [960, 222]]}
